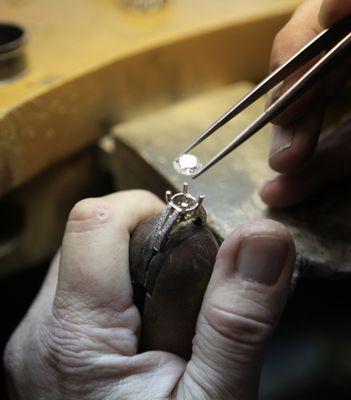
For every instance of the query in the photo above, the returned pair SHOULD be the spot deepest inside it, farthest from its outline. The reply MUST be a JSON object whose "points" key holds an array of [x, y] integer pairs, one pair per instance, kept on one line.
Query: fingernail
{"points": [[262, 258], [283, 139]]}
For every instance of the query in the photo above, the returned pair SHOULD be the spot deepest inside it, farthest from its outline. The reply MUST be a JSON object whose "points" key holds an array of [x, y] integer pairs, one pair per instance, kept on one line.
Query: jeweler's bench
{"points": [[143, 147], [153, 80]]}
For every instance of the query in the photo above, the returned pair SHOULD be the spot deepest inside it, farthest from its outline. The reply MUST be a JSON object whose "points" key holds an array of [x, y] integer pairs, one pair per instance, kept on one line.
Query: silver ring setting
{"points": [[180, 207]]}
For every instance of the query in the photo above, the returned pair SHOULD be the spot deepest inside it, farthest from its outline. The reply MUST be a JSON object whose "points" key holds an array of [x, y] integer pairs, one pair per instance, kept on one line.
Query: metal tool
{"points": [[336, 41]]}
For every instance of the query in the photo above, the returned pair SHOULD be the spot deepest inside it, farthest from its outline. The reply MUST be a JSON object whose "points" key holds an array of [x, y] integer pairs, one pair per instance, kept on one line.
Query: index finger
{"points": [[95, 248], [94, 285], [296, 136]]}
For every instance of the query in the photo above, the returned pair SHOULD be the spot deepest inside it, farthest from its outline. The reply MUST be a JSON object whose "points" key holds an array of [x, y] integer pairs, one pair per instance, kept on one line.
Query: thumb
{"points": [[333, 11], [242, 305]]}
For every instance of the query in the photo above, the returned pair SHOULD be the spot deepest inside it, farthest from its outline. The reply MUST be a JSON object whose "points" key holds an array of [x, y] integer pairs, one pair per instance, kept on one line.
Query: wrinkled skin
{"points": [[79, 339], [304, 160]]}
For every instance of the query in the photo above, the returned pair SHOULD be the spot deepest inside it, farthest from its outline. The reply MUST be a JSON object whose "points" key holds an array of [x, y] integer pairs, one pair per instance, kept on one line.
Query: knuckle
{"points": [[61, 346], [81, 210], [279, 48], [64, 355], [89, 214], [249, 329], [279, 39], [88, 208], [73, 337]]}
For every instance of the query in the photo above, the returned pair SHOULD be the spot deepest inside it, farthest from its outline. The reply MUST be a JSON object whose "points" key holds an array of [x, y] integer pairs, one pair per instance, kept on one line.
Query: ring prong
{"points": [[168, 196], [185, 187], [200, 200]]}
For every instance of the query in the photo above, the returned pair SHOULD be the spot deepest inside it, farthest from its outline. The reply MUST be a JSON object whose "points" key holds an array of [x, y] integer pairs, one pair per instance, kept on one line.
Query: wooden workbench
{"points": [[142, 154], [94, 63]]}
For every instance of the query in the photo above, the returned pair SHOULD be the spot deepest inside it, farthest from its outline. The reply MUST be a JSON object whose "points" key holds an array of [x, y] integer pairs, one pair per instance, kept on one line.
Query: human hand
{"points": [[79, 338], [305, 161]]}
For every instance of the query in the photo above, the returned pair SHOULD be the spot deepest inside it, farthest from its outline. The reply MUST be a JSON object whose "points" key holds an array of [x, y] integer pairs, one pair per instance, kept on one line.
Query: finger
{"points": [[294, 144], [301, 29], [334, 10], [94, 286], [241, 308], [298, 129], [330, 163]]}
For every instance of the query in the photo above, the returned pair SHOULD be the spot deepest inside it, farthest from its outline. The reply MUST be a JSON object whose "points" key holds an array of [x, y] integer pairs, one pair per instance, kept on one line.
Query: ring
{"points": [[180, 207]]}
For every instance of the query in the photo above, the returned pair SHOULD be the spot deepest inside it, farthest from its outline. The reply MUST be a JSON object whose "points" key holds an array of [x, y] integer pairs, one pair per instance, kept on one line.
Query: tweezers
{"points": [[335, 41]]}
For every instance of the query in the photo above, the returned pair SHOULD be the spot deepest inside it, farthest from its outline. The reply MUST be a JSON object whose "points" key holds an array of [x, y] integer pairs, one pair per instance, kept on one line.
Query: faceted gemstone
{"points": [[187, 164]]}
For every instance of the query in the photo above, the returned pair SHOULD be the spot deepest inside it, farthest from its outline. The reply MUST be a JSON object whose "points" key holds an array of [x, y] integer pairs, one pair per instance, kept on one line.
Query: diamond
{"points": [[187, 164]]}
